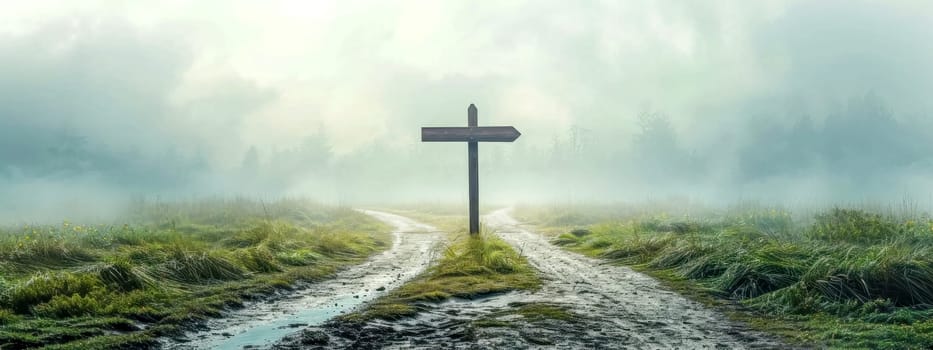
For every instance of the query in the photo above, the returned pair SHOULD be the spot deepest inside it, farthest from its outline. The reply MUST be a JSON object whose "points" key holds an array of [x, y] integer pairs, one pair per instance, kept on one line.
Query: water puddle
{"points": [[265, 334], [260, 324]]}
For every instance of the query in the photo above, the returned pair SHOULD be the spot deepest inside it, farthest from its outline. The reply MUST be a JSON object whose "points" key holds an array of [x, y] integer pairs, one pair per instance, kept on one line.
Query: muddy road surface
{"points": [[612, 307], [624, 308], [259, 324]]}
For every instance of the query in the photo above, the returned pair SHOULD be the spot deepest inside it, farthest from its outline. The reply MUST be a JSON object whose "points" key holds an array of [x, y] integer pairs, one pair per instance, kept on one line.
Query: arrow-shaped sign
{"points": [[470, 134]]}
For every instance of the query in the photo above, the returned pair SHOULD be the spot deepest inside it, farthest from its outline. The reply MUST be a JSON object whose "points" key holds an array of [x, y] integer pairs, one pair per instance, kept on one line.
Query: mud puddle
{"points": [[260, 324], [491, 322]]}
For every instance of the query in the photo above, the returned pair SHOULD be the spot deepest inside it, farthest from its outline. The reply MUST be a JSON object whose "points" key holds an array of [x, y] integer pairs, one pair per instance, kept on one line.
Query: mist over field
{"points": [[795, 102]]}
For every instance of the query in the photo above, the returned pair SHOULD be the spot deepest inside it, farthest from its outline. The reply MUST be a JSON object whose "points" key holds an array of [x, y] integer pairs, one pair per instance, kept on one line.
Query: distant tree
{"points": [[68, 154], [315, 152], [309, 161], [775, 150], [657, 152], [863, 142], [251, 159], [866, 139]]}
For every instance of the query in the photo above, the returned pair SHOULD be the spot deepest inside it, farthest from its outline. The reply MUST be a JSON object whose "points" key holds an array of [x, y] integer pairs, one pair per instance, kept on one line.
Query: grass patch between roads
{"points": [[472, 266], [75, 286], [845, 278]]}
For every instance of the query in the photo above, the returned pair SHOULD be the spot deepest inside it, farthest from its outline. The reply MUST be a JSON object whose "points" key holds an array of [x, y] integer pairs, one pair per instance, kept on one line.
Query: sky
{"points": [[103, 100]]}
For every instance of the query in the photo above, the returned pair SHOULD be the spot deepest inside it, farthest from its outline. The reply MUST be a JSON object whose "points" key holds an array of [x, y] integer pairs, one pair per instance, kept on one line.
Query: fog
{"points": [[793, 102]]}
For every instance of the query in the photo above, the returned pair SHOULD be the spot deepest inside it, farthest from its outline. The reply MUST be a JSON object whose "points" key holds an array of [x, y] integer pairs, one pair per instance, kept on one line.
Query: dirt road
{"points": [[626, 309], [260, 324], [613, 308]]}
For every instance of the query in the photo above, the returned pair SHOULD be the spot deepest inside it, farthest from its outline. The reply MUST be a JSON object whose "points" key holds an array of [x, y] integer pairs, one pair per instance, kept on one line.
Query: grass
{"points": [[170, 267], [843, 278], [471, 267]]}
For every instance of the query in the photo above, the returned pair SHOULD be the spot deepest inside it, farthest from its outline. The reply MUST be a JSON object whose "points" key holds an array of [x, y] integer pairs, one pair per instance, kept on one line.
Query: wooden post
{"points": [[472, 134], [473, 156]]}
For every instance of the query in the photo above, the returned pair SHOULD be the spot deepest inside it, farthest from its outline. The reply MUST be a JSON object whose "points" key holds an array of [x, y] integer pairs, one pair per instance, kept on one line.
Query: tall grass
{"points": [[170, 264], [43, 287], [849, 263]]}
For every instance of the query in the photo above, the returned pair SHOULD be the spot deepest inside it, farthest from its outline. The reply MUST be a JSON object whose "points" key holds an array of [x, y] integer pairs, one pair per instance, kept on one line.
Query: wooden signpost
{"points": [[472, 135]]}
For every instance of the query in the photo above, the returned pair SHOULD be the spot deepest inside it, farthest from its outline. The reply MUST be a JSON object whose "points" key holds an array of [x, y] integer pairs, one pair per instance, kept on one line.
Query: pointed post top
{"points": [[471, 115]]}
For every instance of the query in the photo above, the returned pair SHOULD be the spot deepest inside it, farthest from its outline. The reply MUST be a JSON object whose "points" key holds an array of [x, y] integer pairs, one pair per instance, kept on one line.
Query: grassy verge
{"points": [[845, 278], [75, 286], [471, 267]]}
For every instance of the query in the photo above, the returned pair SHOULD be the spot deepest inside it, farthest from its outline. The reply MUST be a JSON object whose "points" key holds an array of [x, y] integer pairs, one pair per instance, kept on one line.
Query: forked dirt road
{"points": [[625, 309], [260, 324], [613, 307]]}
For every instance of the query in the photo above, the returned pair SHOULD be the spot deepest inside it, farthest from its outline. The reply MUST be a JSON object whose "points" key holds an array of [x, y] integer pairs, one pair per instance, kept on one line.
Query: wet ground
{"points": [[626, 308], [611, 307], [260, 324]]}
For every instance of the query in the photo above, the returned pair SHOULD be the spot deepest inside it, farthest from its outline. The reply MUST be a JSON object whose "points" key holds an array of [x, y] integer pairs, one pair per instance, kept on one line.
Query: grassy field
{"points": [[840, 278], [171, 266]]}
